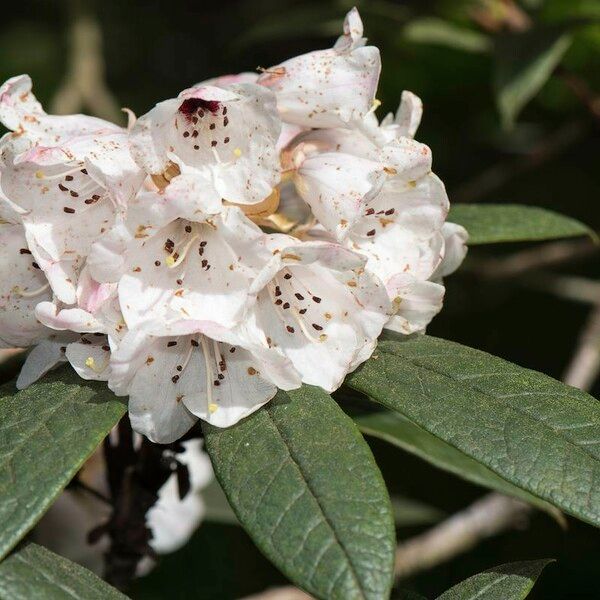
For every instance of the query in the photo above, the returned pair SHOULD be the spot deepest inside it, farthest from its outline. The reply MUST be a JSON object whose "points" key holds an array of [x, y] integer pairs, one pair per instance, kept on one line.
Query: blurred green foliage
{"points": [[456, 55]]}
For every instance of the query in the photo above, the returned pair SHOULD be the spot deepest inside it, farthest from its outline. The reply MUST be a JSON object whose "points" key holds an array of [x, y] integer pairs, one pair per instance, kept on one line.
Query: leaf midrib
{"points": [[353, 571]]}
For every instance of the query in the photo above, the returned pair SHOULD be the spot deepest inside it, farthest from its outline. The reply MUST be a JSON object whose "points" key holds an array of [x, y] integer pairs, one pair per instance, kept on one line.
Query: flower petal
{"points": [[44, 357], [327, 88], [142, 367], [417, 303], [229, 135], [455, 250], [337, 187], [22, 286]]}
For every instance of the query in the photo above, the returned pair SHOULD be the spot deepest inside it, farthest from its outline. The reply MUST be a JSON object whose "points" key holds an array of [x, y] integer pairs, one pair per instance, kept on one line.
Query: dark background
{"points": [[551, 158]]}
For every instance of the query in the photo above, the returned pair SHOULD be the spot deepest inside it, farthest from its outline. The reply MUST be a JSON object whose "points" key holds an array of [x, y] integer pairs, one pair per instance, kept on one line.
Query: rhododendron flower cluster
{"points": [[255, 233]]}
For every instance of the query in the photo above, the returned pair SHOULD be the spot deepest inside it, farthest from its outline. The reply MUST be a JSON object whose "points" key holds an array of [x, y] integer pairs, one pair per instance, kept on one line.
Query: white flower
{"points": [[31, 126], [174, 273], [396, 222], [317, 306], [222, 139], [67, 186], [328, 88], [182, 285], [173, 294], [174, 380]]}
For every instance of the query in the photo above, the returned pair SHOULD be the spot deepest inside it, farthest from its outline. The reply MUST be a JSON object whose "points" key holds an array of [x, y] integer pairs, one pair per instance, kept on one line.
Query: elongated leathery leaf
{"points": [[400, 431], [524, 62], [305, 486], [505, 582], [491, 223], [46, 433], [531, 430], [32, 572]]}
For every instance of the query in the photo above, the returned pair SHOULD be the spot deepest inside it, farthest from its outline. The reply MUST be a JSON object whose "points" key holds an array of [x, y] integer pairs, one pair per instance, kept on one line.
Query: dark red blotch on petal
{"points": [[190, 105]]}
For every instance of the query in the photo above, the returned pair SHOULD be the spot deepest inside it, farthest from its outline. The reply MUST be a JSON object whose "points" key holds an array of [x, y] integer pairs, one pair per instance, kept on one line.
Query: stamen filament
{"points": [[41, 175], [174, 263], [23, 294]]}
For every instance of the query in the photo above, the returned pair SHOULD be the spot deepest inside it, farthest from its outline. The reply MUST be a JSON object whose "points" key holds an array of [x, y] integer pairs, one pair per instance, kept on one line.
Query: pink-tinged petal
{"points": [[193, 194], [396, 250], [92, 294], [73, 319], [151, 135], [17, 102], [416, 302], [320, 315], [22, 286], [288, 134], [22, 113], [70, 195], [328, 88], [226, 383], [9, 211], [417, 207], [273, 366], [401, 156]]}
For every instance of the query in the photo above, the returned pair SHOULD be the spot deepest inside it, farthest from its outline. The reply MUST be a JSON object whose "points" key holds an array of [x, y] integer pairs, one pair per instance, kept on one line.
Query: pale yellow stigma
{"points": [[237, 152], [90, 362], [212, 408], [39, 174], [170, 261]]}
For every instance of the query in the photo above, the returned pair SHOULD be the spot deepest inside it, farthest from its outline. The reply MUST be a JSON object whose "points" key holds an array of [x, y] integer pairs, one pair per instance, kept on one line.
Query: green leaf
{"points": [[32, 572], [492, 223], [431, 30], [46, 433], [531, 430], [304, 484], [506, 582], [524, 62], [396, 429]]}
